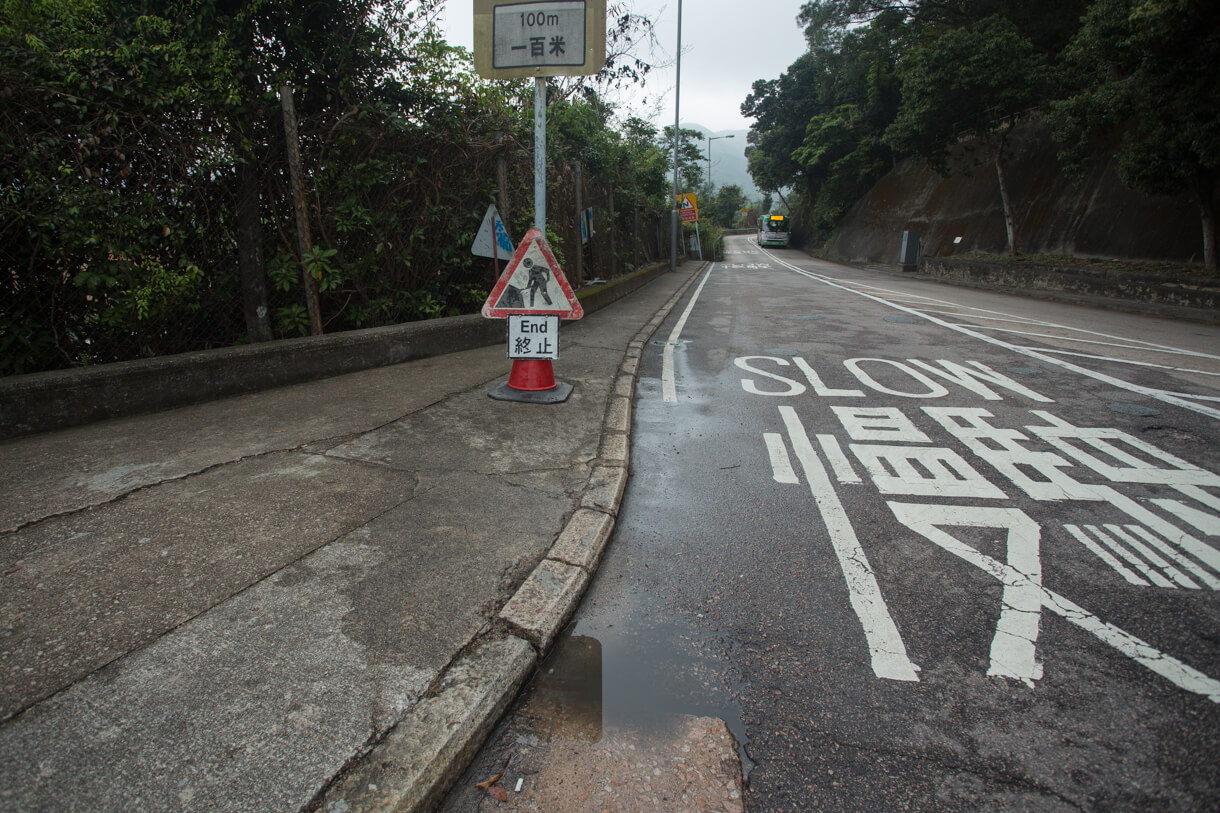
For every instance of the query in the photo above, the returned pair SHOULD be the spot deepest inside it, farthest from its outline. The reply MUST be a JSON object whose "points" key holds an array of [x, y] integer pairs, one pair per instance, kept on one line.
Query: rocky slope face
{"points": [[1097, 217]]}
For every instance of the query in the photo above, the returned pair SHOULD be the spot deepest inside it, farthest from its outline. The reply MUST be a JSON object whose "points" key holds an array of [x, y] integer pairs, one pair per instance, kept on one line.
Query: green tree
{"points": [[142, 168], [842, 153], [819, 125], [781, 108], [725, 206], [1048, 24], [641, 167], [976, 81], [106, 162], [690, 156], [1148, 94], [126, 142]]}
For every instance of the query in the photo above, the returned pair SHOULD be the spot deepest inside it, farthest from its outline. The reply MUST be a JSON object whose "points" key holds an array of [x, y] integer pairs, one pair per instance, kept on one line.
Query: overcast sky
{"points": [[726, 46]]}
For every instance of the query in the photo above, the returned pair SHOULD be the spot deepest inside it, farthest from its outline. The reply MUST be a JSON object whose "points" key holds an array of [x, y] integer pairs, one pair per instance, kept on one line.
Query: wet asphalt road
{"points": [[921, 547]]}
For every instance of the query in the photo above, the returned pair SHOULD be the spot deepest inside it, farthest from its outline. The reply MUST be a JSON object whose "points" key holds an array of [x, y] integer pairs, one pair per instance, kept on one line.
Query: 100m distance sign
{"points": [[539, 38]]}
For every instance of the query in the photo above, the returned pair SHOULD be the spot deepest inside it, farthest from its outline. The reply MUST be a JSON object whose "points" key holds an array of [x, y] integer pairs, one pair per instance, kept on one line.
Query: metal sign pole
{"points": [[540, 154], [536, 38]]}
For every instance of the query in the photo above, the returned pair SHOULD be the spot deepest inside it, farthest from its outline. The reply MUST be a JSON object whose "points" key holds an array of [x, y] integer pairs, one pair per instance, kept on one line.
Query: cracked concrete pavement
{"points": [[320, 595]]}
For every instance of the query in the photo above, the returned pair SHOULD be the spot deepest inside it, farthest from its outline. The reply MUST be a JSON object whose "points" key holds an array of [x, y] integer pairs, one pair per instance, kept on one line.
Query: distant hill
{"points": [[728, 159]]}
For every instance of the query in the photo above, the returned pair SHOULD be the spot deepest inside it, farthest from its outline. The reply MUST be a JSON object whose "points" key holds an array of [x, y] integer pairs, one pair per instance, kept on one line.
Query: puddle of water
{"points": [[644, 676], [567, 691]]}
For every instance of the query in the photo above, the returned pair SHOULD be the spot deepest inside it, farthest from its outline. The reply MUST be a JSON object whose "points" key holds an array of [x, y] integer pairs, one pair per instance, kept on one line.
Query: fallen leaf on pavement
{"points": [[498, 792], [487, 783]]}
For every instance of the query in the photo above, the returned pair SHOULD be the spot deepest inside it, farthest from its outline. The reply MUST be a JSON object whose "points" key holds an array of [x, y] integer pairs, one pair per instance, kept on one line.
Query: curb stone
{"points": [[618, 414], [583, 540], [614, 449], [541, 606], [605, 489], [421, 756], [413, 766]]}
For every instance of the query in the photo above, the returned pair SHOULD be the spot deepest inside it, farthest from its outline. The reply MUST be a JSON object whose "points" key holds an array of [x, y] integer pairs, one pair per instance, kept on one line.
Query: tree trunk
{"points": [[577, 189], [502, 191], [308, 283], [1010, 220], [1205, 190], [613, 270], [250, 253], [635, 239]]}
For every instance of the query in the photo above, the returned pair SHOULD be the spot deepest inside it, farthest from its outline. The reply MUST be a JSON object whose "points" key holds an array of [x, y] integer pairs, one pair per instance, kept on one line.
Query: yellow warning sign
{"points": [[688, 207]]}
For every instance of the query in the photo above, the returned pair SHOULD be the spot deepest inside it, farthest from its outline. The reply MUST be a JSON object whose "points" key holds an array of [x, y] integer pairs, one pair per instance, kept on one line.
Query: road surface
{"points": [[918, 547]]}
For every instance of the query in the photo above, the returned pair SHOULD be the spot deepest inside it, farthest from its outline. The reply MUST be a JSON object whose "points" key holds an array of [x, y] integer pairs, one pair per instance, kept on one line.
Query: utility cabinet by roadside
{"points": [[909, 256]]}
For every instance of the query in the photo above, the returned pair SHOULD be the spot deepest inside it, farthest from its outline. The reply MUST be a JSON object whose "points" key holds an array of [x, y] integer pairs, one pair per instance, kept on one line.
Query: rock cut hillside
{"points": [[1097, 217]]}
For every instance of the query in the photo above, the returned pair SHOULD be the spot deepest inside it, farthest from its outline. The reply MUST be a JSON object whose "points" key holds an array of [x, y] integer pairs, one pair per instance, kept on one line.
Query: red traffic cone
{"points": [[532, 381], [532, 375]]}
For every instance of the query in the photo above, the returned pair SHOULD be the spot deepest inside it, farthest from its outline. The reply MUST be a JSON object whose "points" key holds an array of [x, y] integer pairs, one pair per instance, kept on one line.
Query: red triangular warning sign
{"points": [[533, 283]]}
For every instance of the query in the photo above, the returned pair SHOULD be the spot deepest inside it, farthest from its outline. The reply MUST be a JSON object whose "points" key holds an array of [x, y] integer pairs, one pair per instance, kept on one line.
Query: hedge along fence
{"points": [[393, 209]]}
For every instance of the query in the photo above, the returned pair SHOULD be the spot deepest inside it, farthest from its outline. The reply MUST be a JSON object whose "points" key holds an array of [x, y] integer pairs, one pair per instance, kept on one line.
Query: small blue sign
{"points": [[492, 239]]}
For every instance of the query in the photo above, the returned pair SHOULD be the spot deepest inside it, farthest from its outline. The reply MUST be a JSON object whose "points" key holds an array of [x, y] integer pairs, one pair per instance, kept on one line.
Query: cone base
{"points": [[556, 395], [532, 381]]}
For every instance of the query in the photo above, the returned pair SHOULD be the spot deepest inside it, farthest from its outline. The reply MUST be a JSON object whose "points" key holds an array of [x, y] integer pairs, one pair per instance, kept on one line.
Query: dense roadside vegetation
{"points": [[947, 80], [145, 198]]}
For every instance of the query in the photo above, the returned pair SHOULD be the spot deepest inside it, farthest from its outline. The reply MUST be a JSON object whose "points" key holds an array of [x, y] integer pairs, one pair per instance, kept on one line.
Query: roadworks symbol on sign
{"points": [[533, 283]]}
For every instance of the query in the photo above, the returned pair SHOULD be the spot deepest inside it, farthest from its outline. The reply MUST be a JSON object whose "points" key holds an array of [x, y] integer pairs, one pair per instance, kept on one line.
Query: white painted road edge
{"points": [[668, 389]]}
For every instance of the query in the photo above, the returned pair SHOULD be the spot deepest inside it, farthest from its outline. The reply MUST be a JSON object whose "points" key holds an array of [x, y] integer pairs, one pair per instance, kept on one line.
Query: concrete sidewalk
{"points": [[319, 596]]}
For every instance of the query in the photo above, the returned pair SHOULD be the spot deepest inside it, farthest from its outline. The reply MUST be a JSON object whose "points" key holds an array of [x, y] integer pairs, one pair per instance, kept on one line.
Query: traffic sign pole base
{"points": [[532, 381]]}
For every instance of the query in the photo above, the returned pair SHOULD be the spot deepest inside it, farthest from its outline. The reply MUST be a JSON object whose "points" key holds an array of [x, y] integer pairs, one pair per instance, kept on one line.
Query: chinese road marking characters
{"points": [[1048, 460]]}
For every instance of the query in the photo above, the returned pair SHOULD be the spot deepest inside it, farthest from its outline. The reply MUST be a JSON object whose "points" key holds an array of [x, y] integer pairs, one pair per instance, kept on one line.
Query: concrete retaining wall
{"points": [[53, 400], [1189, 296]]}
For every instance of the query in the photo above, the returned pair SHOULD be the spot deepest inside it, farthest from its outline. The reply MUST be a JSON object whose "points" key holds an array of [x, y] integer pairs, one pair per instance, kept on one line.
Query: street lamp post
{"points": [[710, 139], [673, 200]]}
